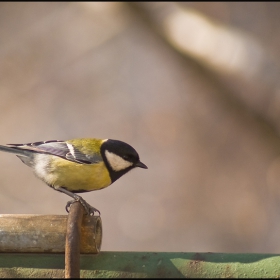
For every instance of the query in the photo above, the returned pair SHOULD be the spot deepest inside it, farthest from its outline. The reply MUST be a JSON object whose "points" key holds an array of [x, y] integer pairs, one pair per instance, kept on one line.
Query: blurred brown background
{"points": [[194, 87]]}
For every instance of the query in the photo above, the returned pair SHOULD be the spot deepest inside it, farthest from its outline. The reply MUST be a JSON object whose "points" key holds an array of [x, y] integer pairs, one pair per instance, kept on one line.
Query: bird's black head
{"points": [[119, 158]]}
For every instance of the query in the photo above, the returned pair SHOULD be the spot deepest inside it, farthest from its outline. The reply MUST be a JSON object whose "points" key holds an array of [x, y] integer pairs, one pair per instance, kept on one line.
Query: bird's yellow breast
{"points": [[77, 177]]}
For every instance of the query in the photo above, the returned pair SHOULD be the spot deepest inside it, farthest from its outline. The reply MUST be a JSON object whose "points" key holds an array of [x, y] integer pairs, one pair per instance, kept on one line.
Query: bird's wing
{"points": [[59, 148]]}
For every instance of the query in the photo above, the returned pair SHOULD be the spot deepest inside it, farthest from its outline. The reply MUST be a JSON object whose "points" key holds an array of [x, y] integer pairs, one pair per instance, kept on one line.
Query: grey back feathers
{"points": [[53, 147]]}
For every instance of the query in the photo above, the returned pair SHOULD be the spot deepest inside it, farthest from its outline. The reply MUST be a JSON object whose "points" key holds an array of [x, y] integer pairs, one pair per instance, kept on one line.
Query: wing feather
{"points": [[59, 148]]}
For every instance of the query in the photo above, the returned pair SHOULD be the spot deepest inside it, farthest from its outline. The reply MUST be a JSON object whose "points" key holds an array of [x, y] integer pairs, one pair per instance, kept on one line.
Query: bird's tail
{"points": [[13, 150]]}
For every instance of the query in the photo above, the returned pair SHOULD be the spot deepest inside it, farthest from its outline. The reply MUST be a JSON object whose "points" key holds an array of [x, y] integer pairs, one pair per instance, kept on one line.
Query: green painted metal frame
{"points": [[143, 265]]}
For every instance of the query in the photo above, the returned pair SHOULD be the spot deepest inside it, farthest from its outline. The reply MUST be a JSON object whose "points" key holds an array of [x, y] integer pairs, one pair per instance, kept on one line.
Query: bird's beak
{"points": [[141, 165]]}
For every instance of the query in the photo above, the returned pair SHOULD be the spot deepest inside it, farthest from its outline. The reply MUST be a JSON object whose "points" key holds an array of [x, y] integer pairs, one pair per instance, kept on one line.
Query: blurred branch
{"points": [[234, 56]]}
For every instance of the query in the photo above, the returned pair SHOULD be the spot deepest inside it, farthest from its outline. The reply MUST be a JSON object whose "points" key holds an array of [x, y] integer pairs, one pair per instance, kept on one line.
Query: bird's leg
{"points": [[89, 209]]}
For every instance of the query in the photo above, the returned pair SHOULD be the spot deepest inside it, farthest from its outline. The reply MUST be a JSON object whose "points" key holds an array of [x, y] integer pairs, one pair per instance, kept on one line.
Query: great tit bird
{"points": [[77, 165]]}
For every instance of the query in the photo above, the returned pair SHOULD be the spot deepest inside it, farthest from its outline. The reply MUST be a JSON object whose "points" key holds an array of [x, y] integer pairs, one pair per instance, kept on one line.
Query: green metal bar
{"points": [[144, 264]]}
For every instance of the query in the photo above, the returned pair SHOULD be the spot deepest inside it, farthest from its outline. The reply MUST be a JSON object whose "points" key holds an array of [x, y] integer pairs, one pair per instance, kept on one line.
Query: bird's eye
{"points": [[125, 157]]}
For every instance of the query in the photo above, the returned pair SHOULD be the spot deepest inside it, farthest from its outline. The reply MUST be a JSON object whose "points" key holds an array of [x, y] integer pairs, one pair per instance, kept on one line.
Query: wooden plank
{"points": [[144, 265], [46, 233]]}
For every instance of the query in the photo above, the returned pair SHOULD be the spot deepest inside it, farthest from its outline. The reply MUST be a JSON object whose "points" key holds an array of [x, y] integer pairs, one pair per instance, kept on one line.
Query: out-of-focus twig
{"points": [[224, 50]]}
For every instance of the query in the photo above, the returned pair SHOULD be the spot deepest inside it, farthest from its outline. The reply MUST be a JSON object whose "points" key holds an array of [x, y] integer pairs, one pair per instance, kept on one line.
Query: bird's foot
{"points": [[88, 208]]}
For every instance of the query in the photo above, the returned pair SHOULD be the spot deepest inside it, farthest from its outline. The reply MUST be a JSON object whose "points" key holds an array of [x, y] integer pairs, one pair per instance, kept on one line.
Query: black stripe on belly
{"points": [[82, 191], [79, 191]]}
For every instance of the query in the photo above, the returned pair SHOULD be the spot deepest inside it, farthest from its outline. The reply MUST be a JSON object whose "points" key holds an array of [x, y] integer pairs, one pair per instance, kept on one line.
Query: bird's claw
{"points": [[69, 203], [88, 208]]}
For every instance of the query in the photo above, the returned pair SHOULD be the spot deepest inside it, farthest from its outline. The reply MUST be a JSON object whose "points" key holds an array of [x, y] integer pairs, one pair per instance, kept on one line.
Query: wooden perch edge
{"points": [[46, 234]]}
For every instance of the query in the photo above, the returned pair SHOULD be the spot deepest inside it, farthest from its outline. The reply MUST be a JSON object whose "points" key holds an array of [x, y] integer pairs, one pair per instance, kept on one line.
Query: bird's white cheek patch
{"points": [[116, 162]]}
